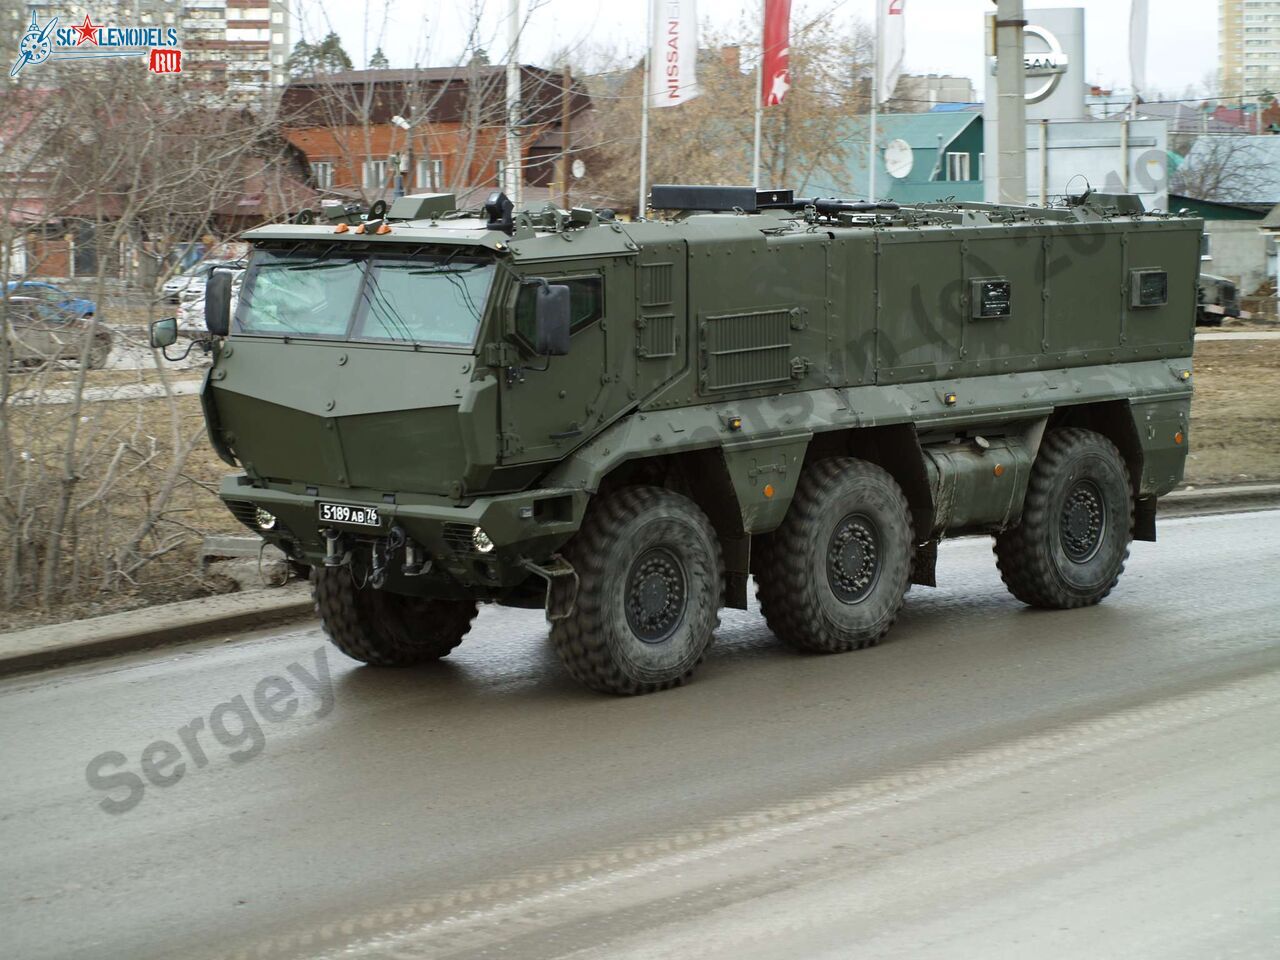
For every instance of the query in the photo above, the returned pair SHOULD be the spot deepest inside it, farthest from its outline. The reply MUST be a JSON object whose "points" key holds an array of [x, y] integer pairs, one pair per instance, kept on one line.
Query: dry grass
{"points": [[1235, 416]]}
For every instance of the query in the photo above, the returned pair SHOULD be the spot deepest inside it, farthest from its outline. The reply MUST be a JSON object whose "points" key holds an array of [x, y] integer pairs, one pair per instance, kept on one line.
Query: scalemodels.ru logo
{"points": [[91, 40]]}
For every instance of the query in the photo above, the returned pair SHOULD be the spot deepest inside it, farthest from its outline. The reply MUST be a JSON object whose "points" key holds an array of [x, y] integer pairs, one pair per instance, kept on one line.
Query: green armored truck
{"points": [[621, 423]]}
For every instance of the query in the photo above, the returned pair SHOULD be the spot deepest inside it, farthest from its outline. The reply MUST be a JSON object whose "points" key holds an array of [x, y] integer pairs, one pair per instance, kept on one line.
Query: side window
{"points": [[586, 304]]}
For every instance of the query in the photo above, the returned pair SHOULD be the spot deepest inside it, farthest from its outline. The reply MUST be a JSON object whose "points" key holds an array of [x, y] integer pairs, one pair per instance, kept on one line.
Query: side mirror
{"points": [[551, 320], [217, 303], [164, 333]]}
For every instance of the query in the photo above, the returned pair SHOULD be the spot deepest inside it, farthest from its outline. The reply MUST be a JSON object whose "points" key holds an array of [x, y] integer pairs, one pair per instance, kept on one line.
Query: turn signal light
{"points": [[998, 469], [1177, 438], [768, 490]]}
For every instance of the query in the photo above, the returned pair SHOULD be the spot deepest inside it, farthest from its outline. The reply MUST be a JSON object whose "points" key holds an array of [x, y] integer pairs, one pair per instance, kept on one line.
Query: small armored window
{"points": [[1148, 288], [586, 305]]}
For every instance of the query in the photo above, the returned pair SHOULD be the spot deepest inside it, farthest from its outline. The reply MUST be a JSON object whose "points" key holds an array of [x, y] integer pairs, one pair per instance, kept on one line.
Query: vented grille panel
{"points": [[655, 284], [746, 349], [458, 537], [656, 337], [245, 512]]}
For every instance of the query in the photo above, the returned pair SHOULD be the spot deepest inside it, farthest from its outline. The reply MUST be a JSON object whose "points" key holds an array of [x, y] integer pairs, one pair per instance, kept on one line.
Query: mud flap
{"points": [[1144, 519], [924, 567]]}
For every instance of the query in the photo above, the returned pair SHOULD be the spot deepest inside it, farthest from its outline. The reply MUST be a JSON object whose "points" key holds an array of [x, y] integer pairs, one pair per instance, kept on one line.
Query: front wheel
{"points": [[650, 579], [1070, 546], [387, 629]]}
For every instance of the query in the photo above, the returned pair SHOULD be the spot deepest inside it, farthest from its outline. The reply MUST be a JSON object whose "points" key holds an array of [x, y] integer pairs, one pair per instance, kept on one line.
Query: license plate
{"points": [[350, 513]]}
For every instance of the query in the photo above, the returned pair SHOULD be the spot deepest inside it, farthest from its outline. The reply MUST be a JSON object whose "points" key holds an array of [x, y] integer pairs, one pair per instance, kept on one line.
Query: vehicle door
{"points": [[551, 404]]}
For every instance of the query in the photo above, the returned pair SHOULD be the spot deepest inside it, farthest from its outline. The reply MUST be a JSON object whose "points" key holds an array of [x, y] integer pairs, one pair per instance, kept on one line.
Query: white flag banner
{"points": [[673, 52], [1138, 46], [891, 39]]}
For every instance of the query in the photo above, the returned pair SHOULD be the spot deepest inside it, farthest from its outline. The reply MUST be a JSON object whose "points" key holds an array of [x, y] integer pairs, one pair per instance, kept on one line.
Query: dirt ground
{"points": [[1235, 438], [1235, 416]]}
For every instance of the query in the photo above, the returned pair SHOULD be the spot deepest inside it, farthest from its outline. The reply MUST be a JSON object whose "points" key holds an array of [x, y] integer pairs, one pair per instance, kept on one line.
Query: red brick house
{"points": [[455, 139]]}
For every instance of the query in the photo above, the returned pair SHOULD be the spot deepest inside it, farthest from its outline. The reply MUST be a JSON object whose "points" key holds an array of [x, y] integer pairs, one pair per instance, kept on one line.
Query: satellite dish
{"points": [[898, 158], [578, 169]]}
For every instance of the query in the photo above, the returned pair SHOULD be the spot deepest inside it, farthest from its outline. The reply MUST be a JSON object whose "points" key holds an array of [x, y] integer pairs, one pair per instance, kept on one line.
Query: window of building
{"points": [[1206, 251], [375, 174], [958, 166], [502, 173], [429, 174], [982, 166], [322, 170]]}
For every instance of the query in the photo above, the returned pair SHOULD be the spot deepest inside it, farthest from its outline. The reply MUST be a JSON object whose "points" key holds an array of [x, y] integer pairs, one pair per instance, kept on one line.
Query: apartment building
{"points": [[1248, 48]]}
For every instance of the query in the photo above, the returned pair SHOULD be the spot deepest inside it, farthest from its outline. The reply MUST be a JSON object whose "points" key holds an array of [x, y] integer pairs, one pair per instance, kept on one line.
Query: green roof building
{"points": [[946, 154]]}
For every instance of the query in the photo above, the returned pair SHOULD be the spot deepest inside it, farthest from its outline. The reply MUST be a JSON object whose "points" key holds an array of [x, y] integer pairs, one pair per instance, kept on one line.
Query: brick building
{"points": [[455, 140]]}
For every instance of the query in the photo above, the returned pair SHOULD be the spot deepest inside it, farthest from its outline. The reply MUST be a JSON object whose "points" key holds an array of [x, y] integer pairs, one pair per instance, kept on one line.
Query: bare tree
{"points": [[709, 139], [1225, 169]]}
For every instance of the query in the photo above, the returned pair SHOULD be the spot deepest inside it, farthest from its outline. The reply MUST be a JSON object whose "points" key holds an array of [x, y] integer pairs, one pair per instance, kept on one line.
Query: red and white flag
{"points": [[673, 52], [775, 69], [891, 38]]}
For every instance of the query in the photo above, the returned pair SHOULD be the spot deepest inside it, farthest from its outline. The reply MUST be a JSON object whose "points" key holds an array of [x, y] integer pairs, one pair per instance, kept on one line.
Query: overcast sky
{"points": [[943, 36]]}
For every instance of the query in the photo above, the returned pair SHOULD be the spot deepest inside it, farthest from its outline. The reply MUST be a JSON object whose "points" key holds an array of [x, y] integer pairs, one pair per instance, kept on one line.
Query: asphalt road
{"points": [[992, 782]]}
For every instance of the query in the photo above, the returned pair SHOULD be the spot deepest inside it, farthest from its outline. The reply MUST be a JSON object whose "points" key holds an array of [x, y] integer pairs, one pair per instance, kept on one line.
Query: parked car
{"points": [[1216, 297], [40, 332], [48, 293], [190, 283]]}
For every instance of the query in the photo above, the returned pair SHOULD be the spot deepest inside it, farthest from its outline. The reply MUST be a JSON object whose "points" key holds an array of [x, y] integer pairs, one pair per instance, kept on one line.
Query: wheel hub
{"points": [[853, 558], [655, 595], [1084, 521]]}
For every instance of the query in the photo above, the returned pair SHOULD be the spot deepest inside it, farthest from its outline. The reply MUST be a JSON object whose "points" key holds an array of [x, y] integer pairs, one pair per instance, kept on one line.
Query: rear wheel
{"points": [[387, 629], [650, 579], [1070, 546], [834, 575]]}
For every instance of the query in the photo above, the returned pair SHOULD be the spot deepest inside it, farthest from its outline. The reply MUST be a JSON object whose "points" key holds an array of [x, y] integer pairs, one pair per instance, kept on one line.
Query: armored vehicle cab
{"points": [[623, 422]]}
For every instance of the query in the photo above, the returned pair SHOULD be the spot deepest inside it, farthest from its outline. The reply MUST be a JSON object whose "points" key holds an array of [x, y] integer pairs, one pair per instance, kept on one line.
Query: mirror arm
{"points": [[205, 344]]}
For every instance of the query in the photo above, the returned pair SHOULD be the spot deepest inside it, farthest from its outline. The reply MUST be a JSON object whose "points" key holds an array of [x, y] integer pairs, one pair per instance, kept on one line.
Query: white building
{"points": [[1066, 146]]}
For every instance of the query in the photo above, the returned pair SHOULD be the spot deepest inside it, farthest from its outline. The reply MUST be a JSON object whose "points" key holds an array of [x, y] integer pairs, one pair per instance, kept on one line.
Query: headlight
{"points": [[480, 540], [264, 520]]}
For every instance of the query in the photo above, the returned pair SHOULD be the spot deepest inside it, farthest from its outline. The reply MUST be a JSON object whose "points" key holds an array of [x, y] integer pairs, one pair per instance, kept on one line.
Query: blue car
{"points": [[48, 293]]}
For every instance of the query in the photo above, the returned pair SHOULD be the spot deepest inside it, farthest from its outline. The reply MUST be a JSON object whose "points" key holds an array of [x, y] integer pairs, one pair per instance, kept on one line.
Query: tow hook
{"points": [[335, 554], [415, 560], [383, 549], [562, 586]]}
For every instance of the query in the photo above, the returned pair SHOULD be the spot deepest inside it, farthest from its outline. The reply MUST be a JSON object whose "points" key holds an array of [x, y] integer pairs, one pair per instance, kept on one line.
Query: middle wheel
{"points": [[834, 575], [650, 580]]}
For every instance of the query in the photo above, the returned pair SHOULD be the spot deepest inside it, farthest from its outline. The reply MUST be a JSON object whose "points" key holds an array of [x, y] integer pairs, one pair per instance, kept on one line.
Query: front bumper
{"points": [[527, 526]]}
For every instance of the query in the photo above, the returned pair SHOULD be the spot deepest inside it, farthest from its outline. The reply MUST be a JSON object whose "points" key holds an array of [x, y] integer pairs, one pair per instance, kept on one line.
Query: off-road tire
{"points": [[1071, 544], [814, 595], [387, 629], [646, 558]]}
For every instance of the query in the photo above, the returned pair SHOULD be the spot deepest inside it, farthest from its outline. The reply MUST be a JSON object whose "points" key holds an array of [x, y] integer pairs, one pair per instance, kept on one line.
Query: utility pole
{"points": [[513, 181], [1011, 163], [566, 84]]}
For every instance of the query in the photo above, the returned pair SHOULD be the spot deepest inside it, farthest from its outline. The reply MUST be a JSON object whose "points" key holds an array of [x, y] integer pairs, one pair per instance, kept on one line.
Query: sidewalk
{"points": [[168, 623]]}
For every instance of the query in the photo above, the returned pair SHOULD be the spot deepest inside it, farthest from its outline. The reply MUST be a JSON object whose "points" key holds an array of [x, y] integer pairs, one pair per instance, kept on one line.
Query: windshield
{"points": [[421, 299]]}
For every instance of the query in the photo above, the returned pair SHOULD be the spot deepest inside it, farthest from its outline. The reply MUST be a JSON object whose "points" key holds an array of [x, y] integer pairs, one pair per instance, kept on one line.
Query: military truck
{"points": [[621, 423], [1216, 297]]}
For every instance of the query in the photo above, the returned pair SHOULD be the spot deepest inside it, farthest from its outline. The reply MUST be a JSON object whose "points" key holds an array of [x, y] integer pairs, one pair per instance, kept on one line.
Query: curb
{"points": [[175, 623], [1209, 500], [133, 630]]}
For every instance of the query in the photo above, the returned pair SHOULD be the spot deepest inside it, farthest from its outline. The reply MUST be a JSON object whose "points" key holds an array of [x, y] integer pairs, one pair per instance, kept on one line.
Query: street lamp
{"points": [[406, 158]]}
